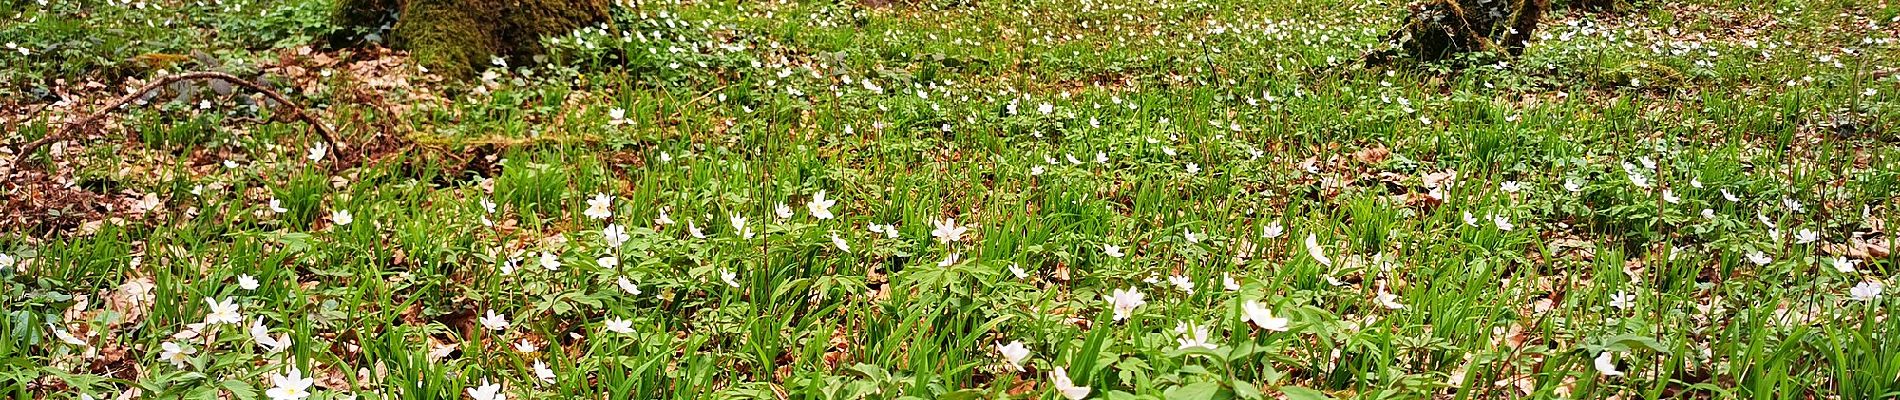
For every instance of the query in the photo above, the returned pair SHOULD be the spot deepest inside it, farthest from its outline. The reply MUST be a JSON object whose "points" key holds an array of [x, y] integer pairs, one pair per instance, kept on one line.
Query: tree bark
{"points": [[1437, 30], [456, 37]]}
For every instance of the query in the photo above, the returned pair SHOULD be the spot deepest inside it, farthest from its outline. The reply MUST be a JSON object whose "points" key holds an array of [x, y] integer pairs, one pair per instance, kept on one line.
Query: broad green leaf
{"points": [[1300, 393]]}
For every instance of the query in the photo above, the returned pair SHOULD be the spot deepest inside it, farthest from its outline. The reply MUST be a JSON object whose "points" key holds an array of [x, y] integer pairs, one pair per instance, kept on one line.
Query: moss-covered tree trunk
{"points": [[454, 37], [1439, 29]]}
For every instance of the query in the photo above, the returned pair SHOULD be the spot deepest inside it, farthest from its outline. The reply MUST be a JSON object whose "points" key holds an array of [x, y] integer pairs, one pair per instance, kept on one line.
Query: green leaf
{"points": [[240, 389], [1195, 391], [965, 394], [1245, 390], [1300, 393], [1631, 342]]}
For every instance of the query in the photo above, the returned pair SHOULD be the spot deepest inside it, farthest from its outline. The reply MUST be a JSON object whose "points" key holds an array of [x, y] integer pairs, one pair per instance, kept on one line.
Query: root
{"points": [[73, 128]]}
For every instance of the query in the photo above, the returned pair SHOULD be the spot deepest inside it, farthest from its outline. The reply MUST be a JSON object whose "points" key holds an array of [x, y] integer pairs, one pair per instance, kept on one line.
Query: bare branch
{"points": [[329, 137]]}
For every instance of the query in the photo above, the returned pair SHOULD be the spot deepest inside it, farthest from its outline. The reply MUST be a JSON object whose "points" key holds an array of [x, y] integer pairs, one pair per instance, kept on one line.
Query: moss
{"points": [[1439, 29], [456, 37], [450, 37]]}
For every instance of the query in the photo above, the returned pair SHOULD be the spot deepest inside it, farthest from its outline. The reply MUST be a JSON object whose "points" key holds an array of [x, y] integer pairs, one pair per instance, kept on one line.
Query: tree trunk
{"points": [[1440, 29], [455, 37]]}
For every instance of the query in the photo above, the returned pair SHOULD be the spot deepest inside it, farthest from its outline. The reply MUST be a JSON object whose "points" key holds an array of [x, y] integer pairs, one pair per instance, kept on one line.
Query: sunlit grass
{"points": [[1650, 205]]}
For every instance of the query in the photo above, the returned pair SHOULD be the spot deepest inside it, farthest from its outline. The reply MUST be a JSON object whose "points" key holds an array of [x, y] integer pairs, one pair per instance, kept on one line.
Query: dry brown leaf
{"points": [[1372, 155], [1861, 249], [1436, 179]]}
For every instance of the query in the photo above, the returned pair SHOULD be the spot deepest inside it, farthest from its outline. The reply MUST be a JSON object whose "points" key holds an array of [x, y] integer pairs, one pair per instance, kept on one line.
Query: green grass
{"points": [[1179, 132]]}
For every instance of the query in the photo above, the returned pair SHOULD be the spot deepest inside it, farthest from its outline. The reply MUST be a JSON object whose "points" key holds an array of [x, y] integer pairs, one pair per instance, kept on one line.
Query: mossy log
{"points": [[454, 37], [1440, 29]]}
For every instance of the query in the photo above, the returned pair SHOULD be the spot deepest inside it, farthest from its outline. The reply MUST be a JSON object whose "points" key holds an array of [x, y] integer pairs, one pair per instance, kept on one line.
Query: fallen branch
{"points": [[329, 137]]}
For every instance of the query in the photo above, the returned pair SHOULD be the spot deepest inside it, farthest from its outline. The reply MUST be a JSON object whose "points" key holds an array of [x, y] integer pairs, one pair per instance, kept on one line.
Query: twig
{"points": [[329, 136]]}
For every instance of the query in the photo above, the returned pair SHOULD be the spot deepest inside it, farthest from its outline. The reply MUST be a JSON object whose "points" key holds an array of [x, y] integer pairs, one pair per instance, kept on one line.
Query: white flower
{"points": [[1503, 223], [1639, 180], [1573, 185], [1014, 354], [599, 207], [542, 372], [731, 278], [663, 219], [261, 335], [608, 262], [1272, 230], [947, 230], [1227, 281], [1729, 196], [1195, 336], [1182, 282], [1101, 157], [950, 259], [550, 261], [494, 322], [1792, 205], [1112, 250], [1017, 271], [291, 386], [488, 206], [738, 226], [1470, 220], [1389, 300], [1313, 249], [487, 391], [614, 235], [1867, 291], [1124, 302], [1708, 214], [1191, 236], [819, 207], [1671, 197], [1696, 182], [840, 243], [177, 354], [1511, 186], [1258, 314], [1060, 380], [222, 312], [247, 282], [782, 211], [316, 152], [1844, 265], [1758, 258], [617, 116], [68, 337], [526, 346], [277, 206], [627, 286], [694, 230], [341, 217], [1036, 170], [620, 326], [1622, 301], [1805, 236], [1606, 364]]}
